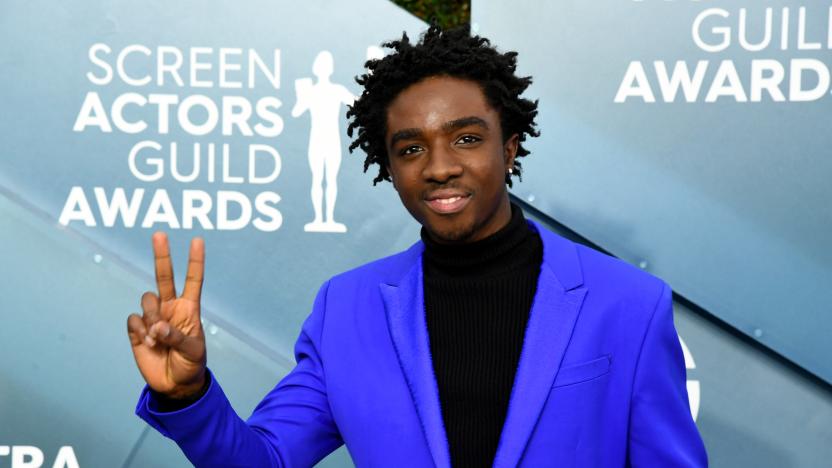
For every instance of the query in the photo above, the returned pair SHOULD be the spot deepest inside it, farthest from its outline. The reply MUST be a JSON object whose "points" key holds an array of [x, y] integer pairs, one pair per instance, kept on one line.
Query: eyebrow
{"points": [[447, 127]]}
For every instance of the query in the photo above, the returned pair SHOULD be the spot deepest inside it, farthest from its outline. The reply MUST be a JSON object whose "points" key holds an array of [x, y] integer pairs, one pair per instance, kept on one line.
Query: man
{"points": [[490, 342]]}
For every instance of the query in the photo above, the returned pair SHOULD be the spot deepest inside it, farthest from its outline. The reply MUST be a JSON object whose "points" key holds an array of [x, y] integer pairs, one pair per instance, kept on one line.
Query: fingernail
{"points": [[165, 331], [149, 341]]}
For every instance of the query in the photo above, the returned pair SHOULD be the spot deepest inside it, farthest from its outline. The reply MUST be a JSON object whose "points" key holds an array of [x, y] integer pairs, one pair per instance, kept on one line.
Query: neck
{"points": [[500, 250]]}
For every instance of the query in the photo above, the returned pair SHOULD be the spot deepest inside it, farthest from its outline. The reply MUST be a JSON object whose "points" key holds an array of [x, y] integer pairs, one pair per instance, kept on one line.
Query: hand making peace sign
{"points": [[168, 340]]}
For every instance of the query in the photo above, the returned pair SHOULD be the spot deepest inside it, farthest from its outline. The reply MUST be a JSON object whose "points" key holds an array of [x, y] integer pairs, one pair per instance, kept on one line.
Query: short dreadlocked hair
{"points": [[454, 53]]}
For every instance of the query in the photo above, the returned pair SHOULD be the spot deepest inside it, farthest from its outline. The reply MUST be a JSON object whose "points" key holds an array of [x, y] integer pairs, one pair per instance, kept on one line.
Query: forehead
{"points": [[433, 101]]}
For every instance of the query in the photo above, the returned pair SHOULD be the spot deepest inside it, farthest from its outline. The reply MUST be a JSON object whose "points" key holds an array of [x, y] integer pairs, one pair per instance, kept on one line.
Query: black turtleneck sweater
{"points": [[477, 301]]}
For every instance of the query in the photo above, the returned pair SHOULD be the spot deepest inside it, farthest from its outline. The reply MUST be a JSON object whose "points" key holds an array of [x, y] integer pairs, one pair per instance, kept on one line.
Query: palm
{"points": [[172, 363], [166, 367]]}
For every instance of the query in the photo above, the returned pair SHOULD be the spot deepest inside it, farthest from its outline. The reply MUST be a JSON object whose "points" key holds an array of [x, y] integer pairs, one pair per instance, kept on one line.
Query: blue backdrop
{"points": [[725, 200]]}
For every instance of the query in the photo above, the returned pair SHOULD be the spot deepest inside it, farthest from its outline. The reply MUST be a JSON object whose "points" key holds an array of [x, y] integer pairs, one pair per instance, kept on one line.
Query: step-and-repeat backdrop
{"points": [[673, 136], [691, 138]]}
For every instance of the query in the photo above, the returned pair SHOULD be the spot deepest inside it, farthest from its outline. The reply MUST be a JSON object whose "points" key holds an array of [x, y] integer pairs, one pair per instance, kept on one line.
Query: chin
{"points": [[451, 234]]}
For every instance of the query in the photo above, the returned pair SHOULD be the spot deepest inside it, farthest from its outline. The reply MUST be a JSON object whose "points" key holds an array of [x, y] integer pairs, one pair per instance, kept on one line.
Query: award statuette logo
{"points": [[323, 99]]}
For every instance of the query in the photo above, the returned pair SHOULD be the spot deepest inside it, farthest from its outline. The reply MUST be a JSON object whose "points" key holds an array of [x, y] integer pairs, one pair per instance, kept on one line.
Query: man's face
{"points": [[448, 160]]}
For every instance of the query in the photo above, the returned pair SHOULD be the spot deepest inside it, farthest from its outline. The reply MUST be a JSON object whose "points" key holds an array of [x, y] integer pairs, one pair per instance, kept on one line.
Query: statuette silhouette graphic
{"points": [[323, 99]]}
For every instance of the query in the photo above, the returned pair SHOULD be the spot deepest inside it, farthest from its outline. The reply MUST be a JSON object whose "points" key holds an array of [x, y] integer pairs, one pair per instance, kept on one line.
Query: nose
{"points": [[441, 165]]}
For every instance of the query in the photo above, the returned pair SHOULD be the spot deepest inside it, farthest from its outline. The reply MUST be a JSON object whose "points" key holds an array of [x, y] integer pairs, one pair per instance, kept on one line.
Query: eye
{"points": [[468, 139], [412, 149]]}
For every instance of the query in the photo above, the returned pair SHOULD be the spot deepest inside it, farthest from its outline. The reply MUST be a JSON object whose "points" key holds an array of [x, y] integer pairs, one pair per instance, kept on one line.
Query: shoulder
{"points": [[618, 281], [608, 280], [384, 270], [340, 293], [603, 270]]}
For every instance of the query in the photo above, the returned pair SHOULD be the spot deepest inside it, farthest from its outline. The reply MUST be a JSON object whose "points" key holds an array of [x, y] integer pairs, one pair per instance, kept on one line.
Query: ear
{"points": [[510, 150]]}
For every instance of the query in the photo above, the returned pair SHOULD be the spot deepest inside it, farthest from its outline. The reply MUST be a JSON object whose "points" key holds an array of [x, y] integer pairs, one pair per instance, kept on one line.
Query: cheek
{"points": [[395, 176], [404, 188], [491, 172]]}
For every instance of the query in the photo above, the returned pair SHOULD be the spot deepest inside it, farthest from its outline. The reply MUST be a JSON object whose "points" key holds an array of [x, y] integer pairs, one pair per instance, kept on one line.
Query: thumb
{"points": [[191, 348]]}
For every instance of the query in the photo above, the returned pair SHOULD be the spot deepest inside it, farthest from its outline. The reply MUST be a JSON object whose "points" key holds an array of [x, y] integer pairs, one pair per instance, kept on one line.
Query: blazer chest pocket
{"points": [[581, 372]]}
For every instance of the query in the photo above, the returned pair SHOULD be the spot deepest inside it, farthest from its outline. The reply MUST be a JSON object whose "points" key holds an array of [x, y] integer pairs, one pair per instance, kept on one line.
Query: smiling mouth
{"points": [[448, 205]]}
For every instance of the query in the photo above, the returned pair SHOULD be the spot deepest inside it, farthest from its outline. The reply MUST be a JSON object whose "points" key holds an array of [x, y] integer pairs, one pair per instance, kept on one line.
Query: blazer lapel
{"points": [[405, 308], [555, 310]]}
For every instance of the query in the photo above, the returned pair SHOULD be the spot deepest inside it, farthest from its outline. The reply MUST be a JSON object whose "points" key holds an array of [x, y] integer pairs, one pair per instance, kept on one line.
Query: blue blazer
{"points": [[600, 381]]}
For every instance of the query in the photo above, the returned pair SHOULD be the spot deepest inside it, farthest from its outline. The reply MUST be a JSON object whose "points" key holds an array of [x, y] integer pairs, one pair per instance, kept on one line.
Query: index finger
{"points": [[196, 270], [164, 267]]}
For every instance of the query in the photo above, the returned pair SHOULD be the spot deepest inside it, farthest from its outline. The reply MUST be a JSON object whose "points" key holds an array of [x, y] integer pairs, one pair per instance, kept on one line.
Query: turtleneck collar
{"points": [[512, 246]]}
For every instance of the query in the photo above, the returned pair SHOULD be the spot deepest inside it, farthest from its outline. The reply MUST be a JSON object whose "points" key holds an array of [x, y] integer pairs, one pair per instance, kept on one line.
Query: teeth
{"points": [[447, 201]]}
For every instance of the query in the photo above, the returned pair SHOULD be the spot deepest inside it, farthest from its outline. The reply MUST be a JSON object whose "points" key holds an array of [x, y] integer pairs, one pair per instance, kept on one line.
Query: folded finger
{"points": [[163, 332], [136, 329], [150, 308]]}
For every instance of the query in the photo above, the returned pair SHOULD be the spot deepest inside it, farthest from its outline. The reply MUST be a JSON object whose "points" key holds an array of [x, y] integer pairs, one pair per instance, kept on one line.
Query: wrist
{"points": [[175, 401], [191, 391]]}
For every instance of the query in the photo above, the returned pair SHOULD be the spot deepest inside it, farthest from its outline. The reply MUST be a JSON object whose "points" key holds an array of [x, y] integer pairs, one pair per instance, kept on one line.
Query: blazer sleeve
{"points": [[291, 426], [662, 431]]}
